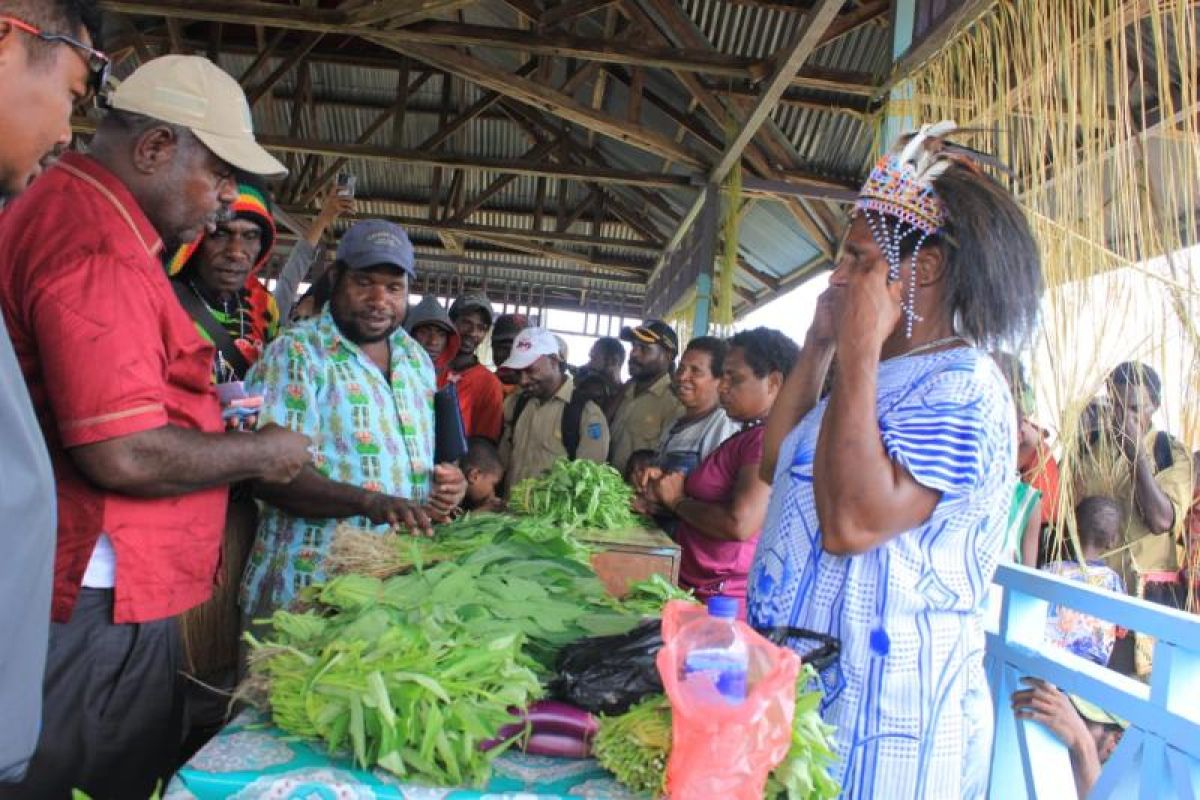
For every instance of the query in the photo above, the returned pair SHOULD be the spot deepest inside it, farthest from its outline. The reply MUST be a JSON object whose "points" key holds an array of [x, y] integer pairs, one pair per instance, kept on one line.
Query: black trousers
{"points": [[113, 707]]}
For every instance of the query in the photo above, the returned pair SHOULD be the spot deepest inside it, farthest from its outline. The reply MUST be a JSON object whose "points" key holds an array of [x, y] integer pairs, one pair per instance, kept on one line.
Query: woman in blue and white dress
{"points": [[890, 496]]}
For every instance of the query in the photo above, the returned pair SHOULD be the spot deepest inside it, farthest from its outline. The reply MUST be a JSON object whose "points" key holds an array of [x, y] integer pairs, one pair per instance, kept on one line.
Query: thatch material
{"points": [[1093, 104]]}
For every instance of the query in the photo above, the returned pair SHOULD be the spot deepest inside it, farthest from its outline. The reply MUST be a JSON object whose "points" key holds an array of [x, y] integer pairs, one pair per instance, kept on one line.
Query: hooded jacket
{"points": [[261, 312], [430, 312]]}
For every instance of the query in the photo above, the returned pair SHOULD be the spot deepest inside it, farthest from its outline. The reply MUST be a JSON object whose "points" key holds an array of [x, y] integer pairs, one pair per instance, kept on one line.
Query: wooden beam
{"points": [[486, 101], [400, 12], [569, 10], [522, 234], [786, 66], [865, 13], [961, 16], [340, 159], [556, 253], [537, 153], [237, 12], [175, 34], [262, 58], [436, 185], [637, 85], [547, 99], [770, 281], [539, 203], [564, 45], [286, 66]]}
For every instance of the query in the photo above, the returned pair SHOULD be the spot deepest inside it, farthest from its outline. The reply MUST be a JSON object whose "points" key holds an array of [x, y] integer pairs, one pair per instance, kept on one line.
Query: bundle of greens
{"points": [[803, 774], [635, 745], [577, 494], [362, 552], [647, 598], [403, 696]]}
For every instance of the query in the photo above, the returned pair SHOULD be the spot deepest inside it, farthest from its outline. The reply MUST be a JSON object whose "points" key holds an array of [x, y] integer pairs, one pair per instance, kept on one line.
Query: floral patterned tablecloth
{"points": [[251, 760]]}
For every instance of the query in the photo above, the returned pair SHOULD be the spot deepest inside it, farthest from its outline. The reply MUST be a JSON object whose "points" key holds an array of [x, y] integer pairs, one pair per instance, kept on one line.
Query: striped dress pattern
{"points": [[908, 693]]}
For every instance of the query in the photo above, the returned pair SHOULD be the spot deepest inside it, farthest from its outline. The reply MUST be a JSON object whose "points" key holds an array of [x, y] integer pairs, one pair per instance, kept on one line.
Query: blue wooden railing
{"points": [[1159, 755]]}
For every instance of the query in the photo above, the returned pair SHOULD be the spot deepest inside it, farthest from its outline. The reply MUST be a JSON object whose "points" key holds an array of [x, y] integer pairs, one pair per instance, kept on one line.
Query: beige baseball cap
{"points": [[194, 92]]}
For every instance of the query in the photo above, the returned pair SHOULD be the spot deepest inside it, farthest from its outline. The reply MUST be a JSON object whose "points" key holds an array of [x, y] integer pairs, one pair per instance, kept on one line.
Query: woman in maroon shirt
{"points": [[721, 504]]}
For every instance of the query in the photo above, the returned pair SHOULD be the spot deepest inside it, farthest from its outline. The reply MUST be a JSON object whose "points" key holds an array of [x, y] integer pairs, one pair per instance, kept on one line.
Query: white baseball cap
{"points": [[530, 345], [194, 92]]}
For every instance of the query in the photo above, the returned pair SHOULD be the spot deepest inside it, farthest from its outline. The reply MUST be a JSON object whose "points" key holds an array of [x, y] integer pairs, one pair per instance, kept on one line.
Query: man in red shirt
{"points": [[479, 394], [121, 384]]}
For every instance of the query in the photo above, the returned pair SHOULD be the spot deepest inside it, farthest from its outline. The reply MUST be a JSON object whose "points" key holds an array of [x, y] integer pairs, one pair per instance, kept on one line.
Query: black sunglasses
{"points": [[98, 64]]}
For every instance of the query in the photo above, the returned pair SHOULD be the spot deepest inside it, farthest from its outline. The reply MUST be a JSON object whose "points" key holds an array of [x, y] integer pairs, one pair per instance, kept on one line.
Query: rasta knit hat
{"points": [[251, 205]]}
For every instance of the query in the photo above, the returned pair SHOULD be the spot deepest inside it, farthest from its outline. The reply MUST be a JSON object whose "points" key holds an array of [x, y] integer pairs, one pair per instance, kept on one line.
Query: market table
{"points": [[249, 759]]}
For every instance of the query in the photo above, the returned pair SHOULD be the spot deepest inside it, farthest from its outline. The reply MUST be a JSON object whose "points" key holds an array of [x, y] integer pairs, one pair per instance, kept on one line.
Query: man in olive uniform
{"points": [[647, 406], [1150, 474], [546, 422]]}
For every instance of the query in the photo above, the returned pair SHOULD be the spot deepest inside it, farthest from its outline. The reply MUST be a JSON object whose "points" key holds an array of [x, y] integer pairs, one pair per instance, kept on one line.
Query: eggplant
{"points": [[558, 745], [551, 716], [551, 719]]}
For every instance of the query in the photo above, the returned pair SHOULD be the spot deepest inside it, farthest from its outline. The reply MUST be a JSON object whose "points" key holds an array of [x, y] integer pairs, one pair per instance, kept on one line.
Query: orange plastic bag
{"points": [[718, 749]]}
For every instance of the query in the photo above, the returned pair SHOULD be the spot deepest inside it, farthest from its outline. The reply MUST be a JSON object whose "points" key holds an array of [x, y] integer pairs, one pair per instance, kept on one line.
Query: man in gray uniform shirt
{"points": [[47, 66]]}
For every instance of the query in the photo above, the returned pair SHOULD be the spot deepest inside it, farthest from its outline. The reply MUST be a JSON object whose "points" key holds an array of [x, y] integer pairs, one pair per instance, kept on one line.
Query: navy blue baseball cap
{"points": [[373, 242]]}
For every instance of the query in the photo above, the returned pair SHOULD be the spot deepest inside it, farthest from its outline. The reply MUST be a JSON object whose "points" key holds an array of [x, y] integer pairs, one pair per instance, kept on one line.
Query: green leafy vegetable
{"points": [[577, 494], [634, 746]]}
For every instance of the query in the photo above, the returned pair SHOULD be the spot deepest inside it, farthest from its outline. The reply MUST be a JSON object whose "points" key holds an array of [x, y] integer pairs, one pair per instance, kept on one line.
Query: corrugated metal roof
{"points": [[351, 98]]}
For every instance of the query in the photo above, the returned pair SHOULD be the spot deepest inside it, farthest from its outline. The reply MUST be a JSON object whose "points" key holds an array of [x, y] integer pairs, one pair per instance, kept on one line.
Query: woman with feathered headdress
{"points": [[890, 499]]}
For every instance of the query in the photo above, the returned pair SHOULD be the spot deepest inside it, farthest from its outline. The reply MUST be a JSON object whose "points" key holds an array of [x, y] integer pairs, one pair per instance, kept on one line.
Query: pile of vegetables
{"points": [[365, 553], [577, 495], [400, 695], [635, 745]]}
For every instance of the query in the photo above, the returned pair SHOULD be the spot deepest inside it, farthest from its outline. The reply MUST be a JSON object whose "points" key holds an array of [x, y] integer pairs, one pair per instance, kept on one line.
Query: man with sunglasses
{"points": [[122, 385], [40, 80]]}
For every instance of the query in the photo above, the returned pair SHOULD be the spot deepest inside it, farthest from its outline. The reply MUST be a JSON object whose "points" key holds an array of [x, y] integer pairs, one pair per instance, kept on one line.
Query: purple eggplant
{"points": [[551, 716], [559, 745]]}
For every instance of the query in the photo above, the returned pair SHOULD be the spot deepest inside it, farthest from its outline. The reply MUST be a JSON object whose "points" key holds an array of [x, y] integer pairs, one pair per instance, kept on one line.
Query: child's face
{"points": [[637, 472], [481, 486]]}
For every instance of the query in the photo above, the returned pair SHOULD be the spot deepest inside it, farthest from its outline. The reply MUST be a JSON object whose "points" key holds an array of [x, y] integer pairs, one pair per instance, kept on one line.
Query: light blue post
{"points": [[703, 304], [902, 36]]}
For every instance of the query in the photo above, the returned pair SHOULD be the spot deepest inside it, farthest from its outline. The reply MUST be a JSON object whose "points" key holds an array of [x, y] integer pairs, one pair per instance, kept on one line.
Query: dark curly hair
{"points": [[766, 350], [716, 348]]}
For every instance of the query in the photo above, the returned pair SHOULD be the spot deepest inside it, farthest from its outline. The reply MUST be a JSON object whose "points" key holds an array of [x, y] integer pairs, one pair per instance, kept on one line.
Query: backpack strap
{"points": [[571, 418], [1163, 457], [208, 323]]}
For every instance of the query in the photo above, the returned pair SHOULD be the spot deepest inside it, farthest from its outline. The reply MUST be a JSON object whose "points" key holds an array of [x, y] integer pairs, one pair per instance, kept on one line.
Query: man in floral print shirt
{"points": [[362, 389]]}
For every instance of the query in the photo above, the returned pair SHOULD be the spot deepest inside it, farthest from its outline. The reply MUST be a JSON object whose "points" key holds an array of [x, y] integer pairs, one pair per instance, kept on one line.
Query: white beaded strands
{"points": [[888, 239]]}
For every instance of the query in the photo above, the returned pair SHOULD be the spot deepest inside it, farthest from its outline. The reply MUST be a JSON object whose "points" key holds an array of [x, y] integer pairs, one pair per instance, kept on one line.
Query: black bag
{"points": [[608, 674], [572, 416], [450, 439]]}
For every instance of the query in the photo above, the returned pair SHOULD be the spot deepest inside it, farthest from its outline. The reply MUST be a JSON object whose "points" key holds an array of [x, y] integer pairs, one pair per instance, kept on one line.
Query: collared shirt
{"points": [[27, 570], [1104, 470], [107, 352], [641, 419], [367, 432], [534, 442]]}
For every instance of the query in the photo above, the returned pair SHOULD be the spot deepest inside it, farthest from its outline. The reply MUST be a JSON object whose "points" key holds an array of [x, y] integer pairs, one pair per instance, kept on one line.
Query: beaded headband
{"points": [[899, 198]]}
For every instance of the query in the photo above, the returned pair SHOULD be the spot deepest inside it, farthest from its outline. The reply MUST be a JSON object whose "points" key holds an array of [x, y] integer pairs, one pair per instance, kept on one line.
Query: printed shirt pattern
{"points": [[908, 613], [365, 432], [1083, 634]]}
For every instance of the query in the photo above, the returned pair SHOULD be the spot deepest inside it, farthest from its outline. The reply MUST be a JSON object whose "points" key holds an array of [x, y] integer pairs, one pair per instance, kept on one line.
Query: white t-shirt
{"points": [[688, 442], [101, 572]]}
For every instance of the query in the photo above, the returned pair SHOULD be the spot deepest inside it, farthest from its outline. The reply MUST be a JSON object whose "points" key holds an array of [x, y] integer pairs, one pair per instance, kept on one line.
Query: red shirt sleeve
{"points": [[101, 355]]}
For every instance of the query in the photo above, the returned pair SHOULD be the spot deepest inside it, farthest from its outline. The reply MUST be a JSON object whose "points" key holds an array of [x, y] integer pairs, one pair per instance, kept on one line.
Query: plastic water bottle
{"points": [[716, 652]]}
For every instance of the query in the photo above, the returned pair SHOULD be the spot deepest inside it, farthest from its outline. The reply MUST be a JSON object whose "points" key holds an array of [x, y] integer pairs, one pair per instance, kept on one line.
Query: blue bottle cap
{"points": [[723, 607]]}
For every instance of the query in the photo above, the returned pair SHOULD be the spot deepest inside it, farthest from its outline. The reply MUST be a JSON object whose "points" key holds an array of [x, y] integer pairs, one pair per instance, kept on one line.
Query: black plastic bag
{"points": [[608, 674]]}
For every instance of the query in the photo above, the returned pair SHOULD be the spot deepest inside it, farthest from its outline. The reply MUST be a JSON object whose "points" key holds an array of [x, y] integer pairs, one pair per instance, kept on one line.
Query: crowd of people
{"points": [[181, 443]]}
